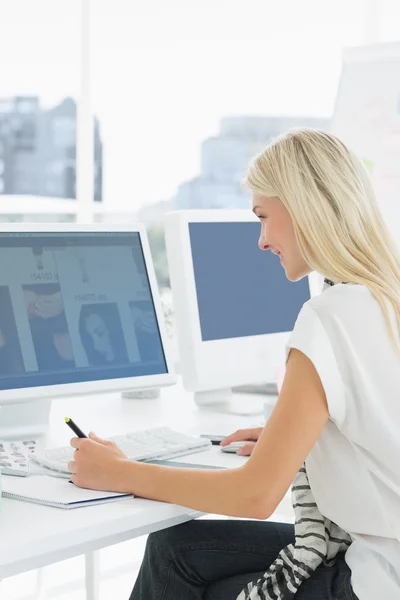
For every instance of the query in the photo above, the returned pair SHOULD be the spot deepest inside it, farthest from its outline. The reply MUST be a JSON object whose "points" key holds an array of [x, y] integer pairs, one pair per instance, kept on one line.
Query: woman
{"points": [[336, 426], [101, 334]]}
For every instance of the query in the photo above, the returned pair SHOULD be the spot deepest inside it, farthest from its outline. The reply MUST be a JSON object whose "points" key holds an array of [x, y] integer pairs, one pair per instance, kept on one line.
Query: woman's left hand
{"points": [[99, 465]]}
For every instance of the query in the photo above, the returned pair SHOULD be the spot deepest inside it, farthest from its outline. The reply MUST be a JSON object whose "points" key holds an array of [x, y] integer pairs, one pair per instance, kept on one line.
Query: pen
{"points": [[75, 428]]}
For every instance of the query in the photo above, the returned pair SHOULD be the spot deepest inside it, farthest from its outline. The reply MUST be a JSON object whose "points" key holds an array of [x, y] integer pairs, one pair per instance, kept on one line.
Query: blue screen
{"points": [[75, 307], [241, 290]]}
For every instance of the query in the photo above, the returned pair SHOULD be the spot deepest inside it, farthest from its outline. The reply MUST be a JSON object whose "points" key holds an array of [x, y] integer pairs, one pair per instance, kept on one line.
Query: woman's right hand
{"points": [[243, 435], [48, 306]]}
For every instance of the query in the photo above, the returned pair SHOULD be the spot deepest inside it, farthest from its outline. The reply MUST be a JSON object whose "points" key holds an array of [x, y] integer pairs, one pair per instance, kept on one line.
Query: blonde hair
{"points": [[337, 222]]}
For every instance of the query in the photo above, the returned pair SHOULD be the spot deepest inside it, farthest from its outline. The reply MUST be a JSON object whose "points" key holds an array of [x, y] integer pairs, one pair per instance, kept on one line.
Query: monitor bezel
{"points": [[216, 364], [19, 395]]}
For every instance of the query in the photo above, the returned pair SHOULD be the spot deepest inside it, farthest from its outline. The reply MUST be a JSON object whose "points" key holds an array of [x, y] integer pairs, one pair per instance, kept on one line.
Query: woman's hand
{"points": [[45, 306], [48, 306], [240, 435], [98, 465]]}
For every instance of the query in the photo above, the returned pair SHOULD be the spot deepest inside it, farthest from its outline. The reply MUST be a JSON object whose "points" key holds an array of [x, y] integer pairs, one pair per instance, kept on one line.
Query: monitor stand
{"points": [[26, 420], [224, 401]]}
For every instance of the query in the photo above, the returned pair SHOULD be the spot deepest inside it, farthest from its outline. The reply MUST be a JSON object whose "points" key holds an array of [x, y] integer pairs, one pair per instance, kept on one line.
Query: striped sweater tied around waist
{"points": [[317, 541]]}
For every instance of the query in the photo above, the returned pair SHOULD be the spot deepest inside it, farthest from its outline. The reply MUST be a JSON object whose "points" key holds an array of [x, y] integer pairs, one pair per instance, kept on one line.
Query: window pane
{"points": [[166, 73], [39, 88], [187, 92]]}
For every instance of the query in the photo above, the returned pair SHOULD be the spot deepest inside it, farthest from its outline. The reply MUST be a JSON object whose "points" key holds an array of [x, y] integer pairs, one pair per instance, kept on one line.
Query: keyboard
{"points": [[142, 445]]}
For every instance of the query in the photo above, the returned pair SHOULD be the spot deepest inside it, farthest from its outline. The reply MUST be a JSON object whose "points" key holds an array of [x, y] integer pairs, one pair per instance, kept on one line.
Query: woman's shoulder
{"points": [[341, 292], [342, 298]]}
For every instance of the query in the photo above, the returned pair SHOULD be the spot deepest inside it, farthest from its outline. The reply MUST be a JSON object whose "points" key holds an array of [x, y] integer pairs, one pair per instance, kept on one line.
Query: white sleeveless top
{"points": [[354, 468]]}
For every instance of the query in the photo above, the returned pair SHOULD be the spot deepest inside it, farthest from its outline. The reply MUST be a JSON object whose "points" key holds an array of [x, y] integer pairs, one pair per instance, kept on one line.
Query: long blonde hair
{"points": [[336, 218]]}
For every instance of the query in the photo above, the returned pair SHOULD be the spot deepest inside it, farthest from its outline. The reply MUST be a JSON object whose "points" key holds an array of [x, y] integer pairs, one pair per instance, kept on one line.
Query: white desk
{"points": [[33, 536]]}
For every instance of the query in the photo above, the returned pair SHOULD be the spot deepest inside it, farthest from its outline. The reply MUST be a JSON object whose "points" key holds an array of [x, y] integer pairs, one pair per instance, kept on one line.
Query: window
{"points": [[38, 99], [188, 92]]}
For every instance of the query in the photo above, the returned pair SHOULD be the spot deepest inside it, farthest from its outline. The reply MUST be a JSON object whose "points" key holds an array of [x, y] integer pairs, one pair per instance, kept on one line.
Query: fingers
{"points": [[82, 443], [241, 435], [76, 480], [72, 466], [247, 449], [100, 440]]}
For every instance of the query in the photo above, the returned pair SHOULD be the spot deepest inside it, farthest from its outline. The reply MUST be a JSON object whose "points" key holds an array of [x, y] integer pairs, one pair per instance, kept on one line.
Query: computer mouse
{"points": [[233, 447]]}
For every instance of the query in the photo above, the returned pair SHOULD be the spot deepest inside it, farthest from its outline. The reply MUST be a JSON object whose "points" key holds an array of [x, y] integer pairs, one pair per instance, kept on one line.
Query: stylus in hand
{"points": [[75, 428]]}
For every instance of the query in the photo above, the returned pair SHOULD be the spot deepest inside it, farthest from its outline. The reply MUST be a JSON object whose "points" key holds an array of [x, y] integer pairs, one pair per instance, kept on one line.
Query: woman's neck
{"points": [[329, 282]]}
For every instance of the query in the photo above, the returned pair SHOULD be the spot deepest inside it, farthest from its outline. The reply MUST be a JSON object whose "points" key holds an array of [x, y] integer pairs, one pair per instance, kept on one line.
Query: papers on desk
{"points": [[52, 491], [14, 457]]}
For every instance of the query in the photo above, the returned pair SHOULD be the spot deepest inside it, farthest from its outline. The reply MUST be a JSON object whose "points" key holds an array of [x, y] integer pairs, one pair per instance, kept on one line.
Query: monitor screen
{"points": [[241, 290], [75, 307]]}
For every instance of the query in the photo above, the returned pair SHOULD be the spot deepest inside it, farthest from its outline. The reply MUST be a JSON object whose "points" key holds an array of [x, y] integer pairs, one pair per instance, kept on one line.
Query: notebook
{"points": [[53, 491]]}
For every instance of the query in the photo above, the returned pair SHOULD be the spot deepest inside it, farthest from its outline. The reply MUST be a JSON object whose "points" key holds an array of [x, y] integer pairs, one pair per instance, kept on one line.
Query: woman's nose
{"points": [[262, 245]]}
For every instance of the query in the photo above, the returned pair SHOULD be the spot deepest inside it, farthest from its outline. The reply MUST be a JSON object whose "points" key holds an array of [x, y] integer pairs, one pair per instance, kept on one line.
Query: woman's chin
{"points": [[291, 274], [295, 274]]}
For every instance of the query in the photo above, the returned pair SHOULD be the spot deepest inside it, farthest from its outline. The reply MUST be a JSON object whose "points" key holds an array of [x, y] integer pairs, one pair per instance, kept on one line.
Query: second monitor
{"points": [[234, 306]]}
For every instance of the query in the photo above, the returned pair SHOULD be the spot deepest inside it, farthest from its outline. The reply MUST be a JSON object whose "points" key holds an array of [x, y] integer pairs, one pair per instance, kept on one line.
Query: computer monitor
{"points": [[80, 313], [234, 306]]}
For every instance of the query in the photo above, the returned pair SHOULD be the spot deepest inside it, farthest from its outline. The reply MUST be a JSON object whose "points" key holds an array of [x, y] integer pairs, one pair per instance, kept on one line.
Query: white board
{"points": [[367, 118]]}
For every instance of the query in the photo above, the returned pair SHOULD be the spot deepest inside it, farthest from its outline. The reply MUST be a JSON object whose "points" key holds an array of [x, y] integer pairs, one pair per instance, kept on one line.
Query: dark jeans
{"points": [[215, 559]]}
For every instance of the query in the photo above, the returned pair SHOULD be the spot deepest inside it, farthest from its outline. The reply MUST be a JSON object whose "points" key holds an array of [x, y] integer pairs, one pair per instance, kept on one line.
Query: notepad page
{"points": [[51, 489]]}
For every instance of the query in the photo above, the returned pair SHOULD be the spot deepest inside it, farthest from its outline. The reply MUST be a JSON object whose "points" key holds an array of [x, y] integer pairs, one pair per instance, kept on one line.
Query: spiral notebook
{"points": [[53, 491]]}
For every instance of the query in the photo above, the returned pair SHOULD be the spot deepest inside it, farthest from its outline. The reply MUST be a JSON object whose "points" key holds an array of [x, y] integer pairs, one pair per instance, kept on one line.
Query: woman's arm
{"points": [[221, 492], [253, 490]]}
